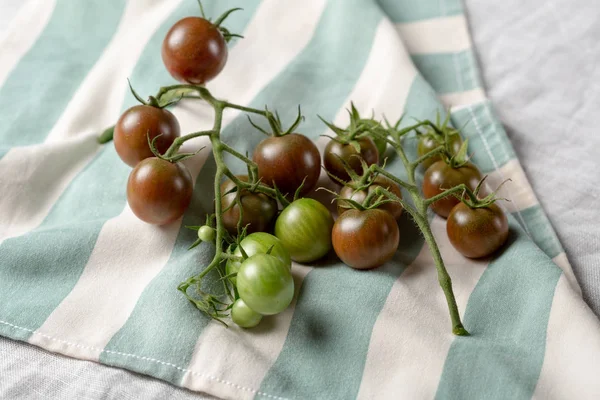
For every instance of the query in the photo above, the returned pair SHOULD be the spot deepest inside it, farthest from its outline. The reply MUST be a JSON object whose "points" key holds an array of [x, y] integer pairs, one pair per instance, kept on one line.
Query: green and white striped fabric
{"points": [[80, 275]]}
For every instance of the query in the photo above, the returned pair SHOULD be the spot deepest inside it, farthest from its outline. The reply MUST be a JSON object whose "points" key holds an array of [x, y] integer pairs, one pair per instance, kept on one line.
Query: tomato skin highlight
{"points": [[194, 51], [158, 191], [255, 243], [429, 142], [380, 181], [365, 239], [440, 177], [243, 315], [285, 161], [265, 284], [334, 151], [304, 228], [259, 210], [136, 124], [477, 232]]}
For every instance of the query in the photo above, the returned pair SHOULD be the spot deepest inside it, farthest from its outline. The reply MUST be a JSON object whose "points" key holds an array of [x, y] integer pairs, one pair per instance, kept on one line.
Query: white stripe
{"points": [[571, 362], [53, 165], [122, 274], [35, 177], [436, 35], [563, 262], [98, 100], [517, 189], [457, 100], [385, 82], [258, 347], [22, 33], [412, 334]]}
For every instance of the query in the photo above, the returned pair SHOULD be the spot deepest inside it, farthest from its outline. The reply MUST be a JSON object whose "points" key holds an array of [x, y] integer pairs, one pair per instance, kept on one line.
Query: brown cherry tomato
{"points": [[334, 151], [477, 232], [365, 239], [440, 177], [159, 191], [285, 161], [380, 181], [430, 142], [194, 51], [134, 126], [259, 210]]}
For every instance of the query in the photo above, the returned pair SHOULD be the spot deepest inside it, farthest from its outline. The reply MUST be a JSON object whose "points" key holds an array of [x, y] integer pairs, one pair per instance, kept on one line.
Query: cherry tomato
{"points": [[136, 124], [380, 181], [440, 176], [265, 284], [258, 242], [285, 161], [334, 151], [259, 210], [477, 232], [159, 191], [243, 315], [206, 234], [428, 142], [304, 228], [365, 239], [194, 51]]}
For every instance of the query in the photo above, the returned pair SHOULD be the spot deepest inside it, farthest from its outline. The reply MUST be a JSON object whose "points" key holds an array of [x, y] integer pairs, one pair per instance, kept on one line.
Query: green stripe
{"points": [[37, 91], [449, 72], [38, 279], [411, 10], [541, 230], [486, 135], [507, 315], [324, 333]]}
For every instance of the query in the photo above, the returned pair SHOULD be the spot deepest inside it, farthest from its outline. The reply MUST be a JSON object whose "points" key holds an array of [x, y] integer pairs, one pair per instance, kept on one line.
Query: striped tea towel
{"points": [[80, 275]]}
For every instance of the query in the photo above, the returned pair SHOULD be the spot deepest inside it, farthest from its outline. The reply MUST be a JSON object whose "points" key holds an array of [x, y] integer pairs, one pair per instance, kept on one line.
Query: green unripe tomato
{"points": [[206, 234], [243, 315], [265, 283], [258, 242], [304, 228]]}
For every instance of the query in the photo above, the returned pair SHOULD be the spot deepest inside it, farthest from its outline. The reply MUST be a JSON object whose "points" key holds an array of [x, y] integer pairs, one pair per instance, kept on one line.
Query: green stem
{"points": [[443, 277], [177, 143], [437, 150], [264, 113], [451, 192]]}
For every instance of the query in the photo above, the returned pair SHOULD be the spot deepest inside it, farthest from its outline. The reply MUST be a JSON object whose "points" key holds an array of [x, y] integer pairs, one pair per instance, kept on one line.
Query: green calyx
{"points": [[276, 125], [227, 35], [472, 199]]}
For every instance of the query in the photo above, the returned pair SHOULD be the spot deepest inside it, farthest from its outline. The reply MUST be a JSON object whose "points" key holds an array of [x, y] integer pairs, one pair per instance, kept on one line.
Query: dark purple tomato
{"points": [[359, 196], [136, 124], [258, 209], [286, 161], [159, 191], [428, 142], [477, 232], [440, 177], [336, 151], [365, 239], [194, 51]]}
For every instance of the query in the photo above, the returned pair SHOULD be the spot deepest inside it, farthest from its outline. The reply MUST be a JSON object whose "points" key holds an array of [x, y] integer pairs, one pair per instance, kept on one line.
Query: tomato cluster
{"points": [[262, 221], [475, 231]]}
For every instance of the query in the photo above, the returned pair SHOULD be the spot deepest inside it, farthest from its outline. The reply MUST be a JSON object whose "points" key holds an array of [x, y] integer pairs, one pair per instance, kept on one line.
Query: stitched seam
{"points": [[210, 377]]}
